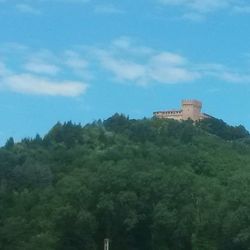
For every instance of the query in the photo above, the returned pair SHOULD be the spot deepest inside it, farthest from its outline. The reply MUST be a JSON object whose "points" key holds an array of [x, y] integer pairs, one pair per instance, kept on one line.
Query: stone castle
{"points": [[191, 109]]}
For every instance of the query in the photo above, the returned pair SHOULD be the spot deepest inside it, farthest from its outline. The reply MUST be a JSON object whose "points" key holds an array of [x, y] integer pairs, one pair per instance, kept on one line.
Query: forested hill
{"points": [[145, 184]]}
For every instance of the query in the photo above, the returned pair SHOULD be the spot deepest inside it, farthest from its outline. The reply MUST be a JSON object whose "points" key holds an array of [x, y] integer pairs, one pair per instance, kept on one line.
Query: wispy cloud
{"points": [[35, 7], [128, 62], [107, 9], [202, 6], [123, 60], [198, 9], [126, 44], [122, 69], [171, 68], [12, 47], [235, 77], [67, 1], [75, 61], [40, 67], [223, 73], [154, 70], [42, 62], [31, 84], [26, 8], [60, 1], [3, 70], [40, 73], [144, 65], [242, 9]]}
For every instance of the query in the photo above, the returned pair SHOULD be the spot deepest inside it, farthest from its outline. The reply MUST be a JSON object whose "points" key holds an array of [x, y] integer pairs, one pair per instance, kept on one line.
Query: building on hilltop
{"points": [[191, 109]]}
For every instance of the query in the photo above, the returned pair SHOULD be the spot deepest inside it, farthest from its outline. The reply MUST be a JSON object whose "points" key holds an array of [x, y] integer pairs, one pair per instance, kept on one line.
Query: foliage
{"points": [[146, 184]]}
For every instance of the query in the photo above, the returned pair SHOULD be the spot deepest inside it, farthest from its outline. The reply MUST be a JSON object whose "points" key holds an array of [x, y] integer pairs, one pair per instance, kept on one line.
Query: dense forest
{"points": [[145, 184]]}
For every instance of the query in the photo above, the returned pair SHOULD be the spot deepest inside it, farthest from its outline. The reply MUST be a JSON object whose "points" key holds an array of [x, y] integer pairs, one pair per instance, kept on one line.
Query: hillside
{"points": [[145, 184]]}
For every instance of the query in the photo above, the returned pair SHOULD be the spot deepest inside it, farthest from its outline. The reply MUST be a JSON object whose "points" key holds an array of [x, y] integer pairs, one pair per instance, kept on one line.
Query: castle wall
{"points": [[176, 115]]}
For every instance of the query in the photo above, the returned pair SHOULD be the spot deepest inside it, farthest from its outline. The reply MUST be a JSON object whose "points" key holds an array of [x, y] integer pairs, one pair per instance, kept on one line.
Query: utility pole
{"points": [[106, 244]]}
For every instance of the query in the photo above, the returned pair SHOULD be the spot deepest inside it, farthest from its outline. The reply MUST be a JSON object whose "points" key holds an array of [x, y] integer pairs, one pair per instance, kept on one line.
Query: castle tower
{"points": [[191, 109]]}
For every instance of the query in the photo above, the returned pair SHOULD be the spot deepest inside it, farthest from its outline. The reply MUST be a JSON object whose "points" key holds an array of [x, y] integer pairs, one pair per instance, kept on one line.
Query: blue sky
{"points": [[82, 60]]}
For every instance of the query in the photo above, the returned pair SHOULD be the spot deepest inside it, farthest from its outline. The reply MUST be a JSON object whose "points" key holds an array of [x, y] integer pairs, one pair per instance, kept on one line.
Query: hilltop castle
{"points": [[191, 109]]}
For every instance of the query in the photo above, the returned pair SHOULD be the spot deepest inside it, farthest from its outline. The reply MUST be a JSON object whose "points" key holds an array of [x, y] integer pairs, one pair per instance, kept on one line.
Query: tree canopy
{"points": [[145, 184]]}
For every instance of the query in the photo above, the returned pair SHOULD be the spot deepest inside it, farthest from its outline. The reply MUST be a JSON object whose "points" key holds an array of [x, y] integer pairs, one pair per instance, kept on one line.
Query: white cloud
{"points": [[26, 8], [43, 55], [172, 75], [63, 1], [171, 68], [168, 58], [242, 9], [11, 47], [40, 67], [196, 10], [40, 73], [30, 84], [122, 42], [69, 1], [161, 67], [123, 69], [122, 61], [234, 77], [221, 72], [126, 44], [41, 62], [107, 9], [196, 17], [75, 61], [199, 5], [3, 70]]}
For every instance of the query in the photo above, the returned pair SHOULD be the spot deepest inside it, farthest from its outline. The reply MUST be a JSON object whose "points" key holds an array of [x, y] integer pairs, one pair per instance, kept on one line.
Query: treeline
{"points": [[145, 184]]}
